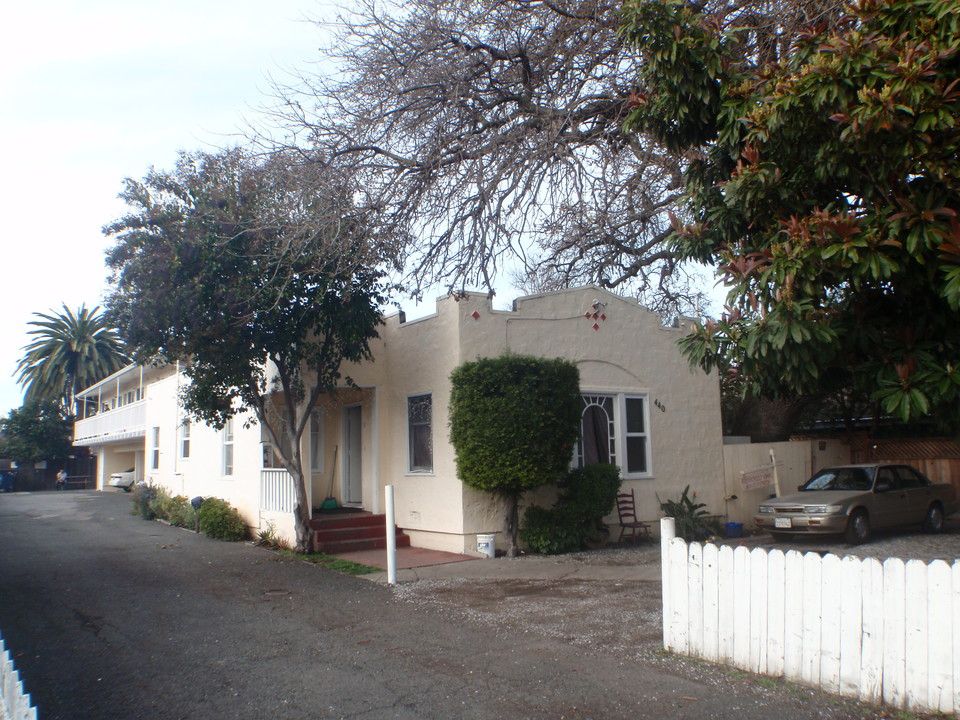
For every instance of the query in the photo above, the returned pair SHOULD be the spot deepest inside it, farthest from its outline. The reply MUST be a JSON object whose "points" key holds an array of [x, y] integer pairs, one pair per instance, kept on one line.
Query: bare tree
{"points": [[489, 133]]}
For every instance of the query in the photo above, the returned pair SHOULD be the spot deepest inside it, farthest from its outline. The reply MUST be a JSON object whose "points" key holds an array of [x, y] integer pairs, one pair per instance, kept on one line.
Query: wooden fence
{"points": [[884, 633], [937, 458], [14, 702]]}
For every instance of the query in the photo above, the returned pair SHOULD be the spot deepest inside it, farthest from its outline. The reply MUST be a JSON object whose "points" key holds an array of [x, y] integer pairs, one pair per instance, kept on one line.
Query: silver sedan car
{"points": [[854, 499]]}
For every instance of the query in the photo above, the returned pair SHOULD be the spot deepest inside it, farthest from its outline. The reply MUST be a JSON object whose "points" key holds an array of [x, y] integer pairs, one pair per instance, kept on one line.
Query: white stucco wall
{"points": [[202, 472], [414, 358], [629, 352]]}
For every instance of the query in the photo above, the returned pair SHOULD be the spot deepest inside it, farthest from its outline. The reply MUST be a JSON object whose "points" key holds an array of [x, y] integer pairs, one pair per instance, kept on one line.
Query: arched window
{"points": [[598, 435], [614, 429]]}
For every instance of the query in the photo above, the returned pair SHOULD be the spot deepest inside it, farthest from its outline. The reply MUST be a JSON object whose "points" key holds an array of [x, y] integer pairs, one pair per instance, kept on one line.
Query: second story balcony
{"points": [[115, 409], [123, 423]]}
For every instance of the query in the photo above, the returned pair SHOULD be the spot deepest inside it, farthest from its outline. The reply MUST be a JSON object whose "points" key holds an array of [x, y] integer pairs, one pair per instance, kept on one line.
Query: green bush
{"points": [[159, 503], [221, 521], [143, 496], [155, 503], [544, 531], [590, 493], [587, 495], [181, 513], [692, 521], [514, 421], [513, 424]]}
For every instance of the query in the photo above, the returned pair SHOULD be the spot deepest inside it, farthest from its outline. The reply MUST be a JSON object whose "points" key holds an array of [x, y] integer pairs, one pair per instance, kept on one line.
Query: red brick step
{"points": [[342, 532]]}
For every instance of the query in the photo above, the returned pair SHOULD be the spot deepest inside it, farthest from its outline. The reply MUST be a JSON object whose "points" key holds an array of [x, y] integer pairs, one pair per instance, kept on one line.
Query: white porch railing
{"points": [[14, 702], [885, 632], [123, 423], [277, 491]]}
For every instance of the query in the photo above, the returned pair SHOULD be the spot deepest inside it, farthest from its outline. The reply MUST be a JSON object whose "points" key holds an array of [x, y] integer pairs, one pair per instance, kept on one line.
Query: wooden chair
{"points": [[629, 525]]}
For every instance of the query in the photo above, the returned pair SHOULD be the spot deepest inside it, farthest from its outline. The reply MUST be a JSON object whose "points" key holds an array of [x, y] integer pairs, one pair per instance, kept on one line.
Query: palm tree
{"points": [[68, 353]]}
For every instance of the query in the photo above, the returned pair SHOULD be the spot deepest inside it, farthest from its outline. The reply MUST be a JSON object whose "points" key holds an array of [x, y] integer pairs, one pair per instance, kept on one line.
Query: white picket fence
{"points": [[881, 632], [14, 702]]}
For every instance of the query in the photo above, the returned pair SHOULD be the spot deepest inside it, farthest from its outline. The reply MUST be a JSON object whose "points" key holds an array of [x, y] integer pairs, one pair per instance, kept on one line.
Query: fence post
{"points": [[391, 538], [668, 531]]}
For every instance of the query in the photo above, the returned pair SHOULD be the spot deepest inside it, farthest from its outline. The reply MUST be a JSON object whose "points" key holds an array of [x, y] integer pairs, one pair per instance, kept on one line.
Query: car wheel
{"points": [[933, 522], [127, 488], [858, 528]]}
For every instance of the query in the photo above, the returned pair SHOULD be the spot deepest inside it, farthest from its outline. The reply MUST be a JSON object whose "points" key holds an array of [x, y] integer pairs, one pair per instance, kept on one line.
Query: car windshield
{"points": [[841, 479]]}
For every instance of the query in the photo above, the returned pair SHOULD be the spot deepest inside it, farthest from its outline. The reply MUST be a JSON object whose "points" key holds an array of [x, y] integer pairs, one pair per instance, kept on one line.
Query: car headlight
{"points": [[765, 509], [823, 509]]}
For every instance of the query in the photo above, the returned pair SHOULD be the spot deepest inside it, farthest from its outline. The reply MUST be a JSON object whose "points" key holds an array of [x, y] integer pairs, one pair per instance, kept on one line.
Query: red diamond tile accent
{"points": [[476, 315], [596, 327]]}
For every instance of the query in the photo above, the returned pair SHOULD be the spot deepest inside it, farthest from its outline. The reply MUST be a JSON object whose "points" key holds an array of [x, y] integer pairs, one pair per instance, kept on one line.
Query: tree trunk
{"points": [[302, 515], [510, 523], [766, 420]]}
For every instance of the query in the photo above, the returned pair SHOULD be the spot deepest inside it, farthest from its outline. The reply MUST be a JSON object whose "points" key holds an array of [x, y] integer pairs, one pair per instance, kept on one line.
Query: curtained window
{"points": [[613, 429], [420, 426]]}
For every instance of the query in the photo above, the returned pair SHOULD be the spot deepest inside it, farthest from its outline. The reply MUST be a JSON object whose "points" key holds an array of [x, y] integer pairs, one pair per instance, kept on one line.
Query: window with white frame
{"points": [[154, 448], [228, 448], [185, 438], [635, 435], [269, 457], [420, 427], [614, 429], [316, 441], [271, 453]]}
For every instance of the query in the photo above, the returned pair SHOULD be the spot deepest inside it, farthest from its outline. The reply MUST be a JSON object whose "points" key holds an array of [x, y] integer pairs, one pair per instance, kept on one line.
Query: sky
{"points": [[100, 90]]}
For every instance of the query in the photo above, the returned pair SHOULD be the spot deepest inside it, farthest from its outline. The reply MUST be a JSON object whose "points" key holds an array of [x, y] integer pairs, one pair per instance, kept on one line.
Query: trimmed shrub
{"points": [[513, 423], [221, 521], [544, 531], [588, 494]]}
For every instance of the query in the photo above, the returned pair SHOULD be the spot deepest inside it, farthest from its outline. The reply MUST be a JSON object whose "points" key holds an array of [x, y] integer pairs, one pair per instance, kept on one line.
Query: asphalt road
{"points": [[111, 617]]}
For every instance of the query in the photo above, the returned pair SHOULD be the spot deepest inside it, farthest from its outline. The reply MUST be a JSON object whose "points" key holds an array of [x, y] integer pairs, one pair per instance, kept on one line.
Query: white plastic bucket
{"points": [[487, 545]]}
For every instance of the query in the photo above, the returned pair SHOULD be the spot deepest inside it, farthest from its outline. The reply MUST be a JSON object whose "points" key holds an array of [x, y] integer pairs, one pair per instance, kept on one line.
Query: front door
{"points": [[352, 465]]}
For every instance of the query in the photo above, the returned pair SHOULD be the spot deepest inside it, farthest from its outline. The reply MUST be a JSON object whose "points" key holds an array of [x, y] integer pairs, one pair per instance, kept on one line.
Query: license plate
{"points": [[782, 522]]}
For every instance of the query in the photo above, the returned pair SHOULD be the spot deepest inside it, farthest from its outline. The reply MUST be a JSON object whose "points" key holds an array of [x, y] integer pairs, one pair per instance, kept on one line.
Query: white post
{"points": [[776, 477], [391, 538], [668, 531]]}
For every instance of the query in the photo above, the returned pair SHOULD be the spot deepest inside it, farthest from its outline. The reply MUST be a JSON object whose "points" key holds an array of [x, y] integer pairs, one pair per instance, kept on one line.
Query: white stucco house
{"points": [[644, 409]]}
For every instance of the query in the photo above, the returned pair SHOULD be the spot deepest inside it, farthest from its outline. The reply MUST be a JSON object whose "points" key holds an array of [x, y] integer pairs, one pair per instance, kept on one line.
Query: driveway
{"points": [[109, 616]]}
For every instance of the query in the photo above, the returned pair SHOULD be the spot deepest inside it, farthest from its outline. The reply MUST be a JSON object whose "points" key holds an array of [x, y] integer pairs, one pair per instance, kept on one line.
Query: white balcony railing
{"points": [[124, 423], [277, 492]]}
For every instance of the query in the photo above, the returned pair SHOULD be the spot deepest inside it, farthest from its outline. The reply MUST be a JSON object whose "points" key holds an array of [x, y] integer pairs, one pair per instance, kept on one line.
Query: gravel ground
{"points": [[902, 544], [624, 617]]}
